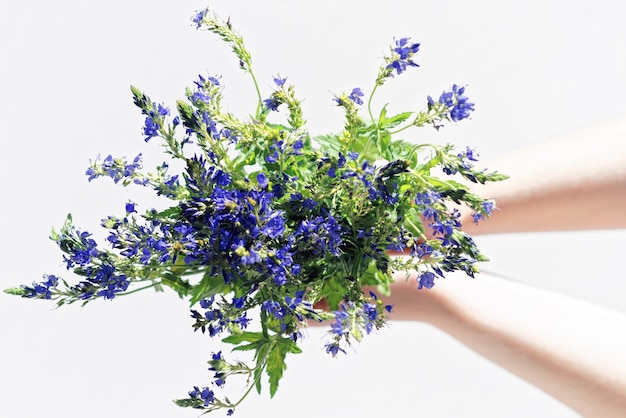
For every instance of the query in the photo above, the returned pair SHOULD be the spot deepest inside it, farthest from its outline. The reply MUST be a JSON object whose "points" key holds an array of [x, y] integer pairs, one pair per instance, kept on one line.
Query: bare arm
{"points": [[577, 181], [571, 349]]}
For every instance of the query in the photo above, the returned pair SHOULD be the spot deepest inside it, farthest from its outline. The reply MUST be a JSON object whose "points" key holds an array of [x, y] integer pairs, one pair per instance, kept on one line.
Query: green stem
{"points": [[401, 129], [369, 102], [258, 93], [369, 110], [138, 290]]}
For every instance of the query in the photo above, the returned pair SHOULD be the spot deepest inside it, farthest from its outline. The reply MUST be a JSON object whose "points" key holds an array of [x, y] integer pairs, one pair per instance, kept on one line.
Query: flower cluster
{"points": [[264, 221], [116, 168], [399, 60]]}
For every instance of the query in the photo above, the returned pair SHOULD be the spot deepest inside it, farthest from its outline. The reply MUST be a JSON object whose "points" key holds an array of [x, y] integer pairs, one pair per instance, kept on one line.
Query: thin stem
{"points": [[258, 92], [139, 289], [377, 123], [401, 129], [369, 102]]}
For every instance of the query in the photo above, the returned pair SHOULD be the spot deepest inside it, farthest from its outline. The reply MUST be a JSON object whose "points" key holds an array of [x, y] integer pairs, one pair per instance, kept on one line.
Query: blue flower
{"points": [[468, 154], [206, 303], [262, 179], [458, 105], [487, 207], [207, 396], [80, 248], [41, 290], [251, 257], [151, 128], [426, 279], [429, 202], [333, 349], [279, 81], [272, 103], [239, 302], [356, 95], [274, 308], [130, 208], [200, 97], [370, 314], [162, 110], [323, 235], [116, 168], [341, 325], [296, 148], [198, 17], [275, 225], [403, 51]]}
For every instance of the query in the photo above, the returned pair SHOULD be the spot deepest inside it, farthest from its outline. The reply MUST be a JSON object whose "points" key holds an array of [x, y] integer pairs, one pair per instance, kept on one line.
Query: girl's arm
{"points": [[577, 181], [573, 350]]}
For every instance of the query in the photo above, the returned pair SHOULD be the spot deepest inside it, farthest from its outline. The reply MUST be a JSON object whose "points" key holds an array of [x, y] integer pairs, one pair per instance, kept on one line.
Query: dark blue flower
{"points": [[151, 128], [272, 103], [130, 208], [206, 303], [41, 290], [239, 302], [274, 226]]}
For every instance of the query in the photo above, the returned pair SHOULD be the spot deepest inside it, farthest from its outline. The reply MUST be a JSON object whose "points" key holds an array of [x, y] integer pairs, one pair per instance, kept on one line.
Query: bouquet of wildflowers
{"points": [[264, 221]]}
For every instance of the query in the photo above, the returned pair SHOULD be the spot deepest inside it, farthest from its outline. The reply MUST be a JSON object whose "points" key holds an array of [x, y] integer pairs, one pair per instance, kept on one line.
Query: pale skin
{"points": [[571, 349]]}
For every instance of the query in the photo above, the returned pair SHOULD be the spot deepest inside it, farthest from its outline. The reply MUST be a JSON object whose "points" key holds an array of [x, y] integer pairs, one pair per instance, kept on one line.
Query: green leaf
{"points": [[374, 277], [383, 114], [446, 184], [177, 284], [208, 286], [395, 120], [244, 336], [246, 347], [257, 379], [170, 213], [290, 345], [328, 142], [333, 291], [260, 357], [276, 366]]}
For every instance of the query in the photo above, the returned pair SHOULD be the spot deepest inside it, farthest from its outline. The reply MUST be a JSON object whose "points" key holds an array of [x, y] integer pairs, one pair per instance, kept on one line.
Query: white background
{"points": [[535, 69]]}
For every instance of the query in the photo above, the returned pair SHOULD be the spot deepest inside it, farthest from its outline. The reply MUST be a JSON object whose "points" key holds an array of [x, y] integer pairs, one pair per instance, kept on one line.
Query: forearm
{"points": [[570, 349], [577, 181]]}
